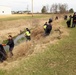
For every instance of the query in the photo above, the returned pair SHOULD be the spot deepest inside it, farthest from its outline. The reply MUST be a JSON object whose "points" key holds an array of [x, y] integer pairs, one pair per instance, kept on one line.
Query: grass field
{"points": [[22, 16], [56, 59], [26, 16]]}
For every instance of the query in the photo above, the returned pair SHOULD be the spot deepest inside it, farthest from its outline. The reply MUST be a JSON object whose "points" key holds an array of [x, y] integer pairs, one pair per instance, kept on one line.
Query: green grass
{"points": [[4, 41], [23, 17], [58, 59]]}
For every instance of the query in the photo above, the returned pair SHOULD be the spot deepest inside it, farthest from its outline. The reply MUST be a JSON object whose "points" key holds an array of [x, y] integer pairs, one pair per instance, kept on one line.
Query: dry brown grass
{"points": [[38, 43], [14, 27], [14, 15], [22, 49], [37, 33]]}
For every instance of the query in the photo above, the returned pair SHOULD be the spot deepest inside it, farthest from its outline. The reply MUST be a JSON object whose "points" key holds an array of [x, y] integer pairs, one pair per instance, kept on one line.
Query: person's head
{"points": [[26, 28], [50, 20], [9, 37], [45, 22], [75, 13]]}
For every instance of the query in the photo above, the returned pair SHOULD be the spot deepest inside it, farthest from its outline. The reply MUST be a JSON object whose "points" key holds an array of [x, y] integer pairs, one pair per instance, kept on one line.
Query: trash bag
{"points": [[3, 55]]}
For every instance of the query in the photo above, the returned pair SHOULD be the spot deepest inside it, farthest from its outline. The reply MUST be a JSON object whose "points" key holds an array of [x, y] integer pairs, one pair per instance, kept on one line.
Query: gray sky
{"points": [[22, 4]]}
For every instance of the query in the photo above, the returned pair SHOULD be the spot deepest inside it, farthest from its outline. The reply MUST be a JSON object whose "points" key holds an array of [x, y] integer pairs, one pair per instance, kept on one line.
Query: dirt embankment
{"points": [[38, 43]]}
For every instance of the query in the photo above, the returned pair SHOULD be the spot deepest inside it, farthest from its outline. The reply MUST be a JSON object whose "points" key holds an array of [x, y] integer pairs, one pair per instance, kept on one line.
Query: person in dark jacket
{"points": [[69, 22], [65, 17], [48, 28], [56, 18], [74, 20], [10, 43]]}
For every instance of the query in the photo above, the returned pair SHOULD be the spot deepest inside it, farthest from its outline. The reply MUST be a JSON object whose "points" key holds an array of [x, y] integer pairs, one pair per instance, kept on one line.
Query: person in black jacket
{"points": [[69, 22], [10, 43], [65, 17], [74, 20], [48, 29]]}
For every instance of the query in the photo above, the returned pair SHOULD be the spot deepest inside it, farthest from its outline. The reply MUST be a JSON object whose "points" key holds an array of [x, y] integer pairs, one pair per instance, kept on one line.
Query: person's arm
{"points": [[3, 44], [9, 42]]}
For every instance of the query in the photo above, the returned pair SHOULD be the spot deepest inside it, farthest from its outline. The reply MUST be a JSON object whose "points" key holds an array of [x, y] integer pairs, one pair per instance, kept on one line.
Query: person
{"points": [[74, 20], [48, 27], [56, 18], [69, 22], [10, 43], [3, 54], [65, 17], [28, 34]]}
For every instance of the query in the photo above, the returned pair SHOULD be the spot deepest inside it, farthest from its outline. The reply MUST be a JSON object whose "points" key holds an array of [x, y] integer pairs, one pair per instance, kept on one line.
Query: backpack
{"points": [[49, 28]]}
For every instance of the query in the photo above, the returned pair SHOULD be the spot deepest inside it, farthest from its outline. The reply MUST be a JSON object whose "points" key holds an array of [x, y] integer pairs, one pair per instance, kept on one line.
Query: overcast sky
{"points": [[23, 4]]}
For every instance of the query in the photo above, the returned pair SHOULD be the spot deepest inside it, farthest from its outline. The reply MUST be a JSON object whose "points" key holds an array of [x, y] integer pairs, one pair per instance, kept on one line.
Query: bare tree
{"points": [[47, 7], [63, 8], [54, 8]]}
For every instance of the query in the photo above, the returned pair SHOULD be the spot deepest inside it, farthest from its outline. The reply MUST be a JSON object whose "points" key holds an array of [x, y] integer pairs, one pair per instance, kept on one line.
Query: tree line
{"points": [[57, 8]]}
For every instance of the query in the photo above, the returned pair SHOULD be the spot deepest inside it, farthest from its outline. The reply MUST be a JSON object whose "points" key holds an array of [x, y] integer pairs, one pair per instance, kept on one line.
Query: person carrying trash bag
{"points": [[69, 22], [27, 34], [3, 54]]}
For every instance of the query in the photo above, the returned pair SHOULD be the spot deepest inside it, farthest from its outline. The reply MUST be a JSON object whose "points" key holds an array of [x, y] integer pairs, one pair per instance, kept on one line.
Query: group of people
{"points": [[47, 29], [3, 55], [72, 20]]}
